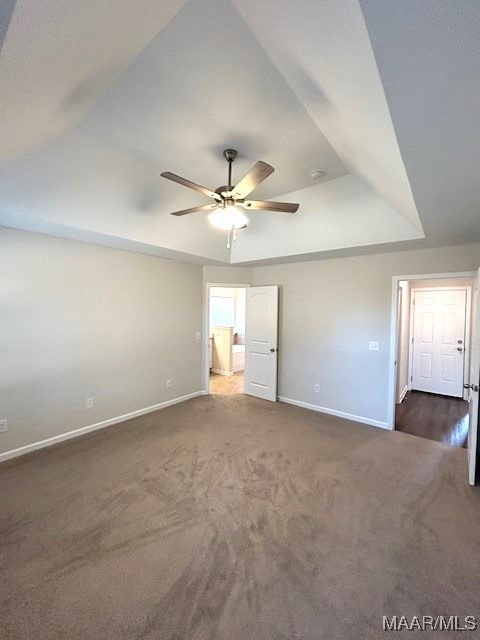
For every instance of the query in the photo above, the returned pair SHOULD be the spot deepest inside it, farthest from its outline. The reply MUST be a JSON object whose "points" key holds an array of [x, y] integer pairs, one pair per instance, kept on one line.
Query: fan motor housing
{"points": [[226, 193]]}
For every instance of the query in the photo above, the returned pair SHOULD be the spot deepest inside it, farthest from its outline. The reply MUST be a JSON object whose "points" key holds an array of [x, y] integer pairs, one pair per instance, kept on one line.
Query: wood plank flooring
{"points": [[434, 417]]}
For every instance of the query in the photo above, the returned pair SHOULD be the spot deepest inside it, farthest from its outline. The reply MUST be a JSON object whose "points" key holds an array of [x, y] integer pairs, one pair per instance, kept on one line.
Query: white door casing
{"points": [[261, 342], [438, 349], [474, 384]]}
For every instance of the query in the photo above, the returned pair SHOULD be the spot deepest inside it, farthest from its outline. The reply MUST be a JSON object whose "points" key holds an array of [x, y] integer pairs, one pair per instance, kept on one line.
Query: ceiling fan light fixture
{"points": [[228, 218], [227, 211]]}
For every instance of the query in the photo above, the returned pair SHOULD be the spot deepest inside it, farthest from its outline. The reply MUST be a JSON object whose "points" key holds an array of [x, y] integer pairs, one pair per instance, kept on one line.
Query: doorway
{"points": [[433, 318], [226, 339], [241, 340]]}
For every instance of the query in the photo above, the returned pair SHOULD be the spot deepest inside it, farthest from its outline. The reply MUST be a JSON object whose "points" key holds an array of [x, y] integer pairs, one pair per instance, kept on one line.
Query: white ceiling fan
{"points": [[227, 212]]}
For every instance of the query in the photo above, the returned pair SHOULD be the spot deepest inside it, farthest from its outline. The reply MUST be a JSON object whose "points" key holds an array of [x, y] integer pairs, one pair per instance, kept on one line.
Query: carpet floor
{"points": [[231, 518]]}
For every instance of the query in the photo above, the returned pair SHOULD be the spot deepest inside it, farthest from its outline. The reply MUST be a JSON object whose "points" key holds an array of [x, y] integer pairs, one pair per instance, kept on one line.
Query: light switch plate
{"points": [[373, 346], [198, 335]]}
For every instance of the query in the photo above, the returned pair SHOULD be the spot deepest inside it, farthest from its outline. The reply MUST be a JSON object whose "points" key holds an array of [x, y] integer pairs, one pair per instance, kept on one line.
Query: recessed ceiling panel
{"points": [[81, 183], [144, 87], [60, 55], [204, 84], [339, 214]]}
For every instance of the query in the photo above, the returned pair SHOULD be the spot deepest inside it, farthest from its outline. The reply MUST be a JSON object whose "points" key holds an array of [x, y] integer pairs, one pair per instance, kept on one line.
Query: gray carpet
{"points": [[229, 518]]}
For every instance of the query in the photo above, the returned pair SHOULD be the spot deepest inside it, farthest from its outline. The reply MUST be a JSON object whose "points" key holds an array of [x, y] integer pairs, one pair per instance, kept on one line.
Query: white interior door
{"points": [[473, 385], [439, 341], [261, 346]]}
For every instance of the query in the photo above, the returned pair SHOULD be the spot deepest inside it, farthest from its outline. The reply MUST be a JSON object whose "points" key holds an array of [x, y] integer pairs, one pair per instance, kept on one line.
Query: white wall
{"points": [[330, 309], [240, 310], [79, 320], [227, 275], [443, 282]]}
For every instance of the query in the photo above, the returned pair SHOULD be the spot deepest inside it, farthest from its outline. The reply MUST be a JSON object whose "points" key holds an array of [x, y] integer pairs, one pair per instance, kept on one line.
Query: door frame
{"points": [[392, 368], [468, 321], [206, 325]]}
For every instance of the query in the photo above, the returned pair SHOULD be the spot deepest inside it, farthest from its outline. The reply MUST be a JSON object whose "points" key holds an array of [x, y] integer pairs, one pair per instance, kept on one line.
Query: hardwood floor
{"points": [[434, 417]]}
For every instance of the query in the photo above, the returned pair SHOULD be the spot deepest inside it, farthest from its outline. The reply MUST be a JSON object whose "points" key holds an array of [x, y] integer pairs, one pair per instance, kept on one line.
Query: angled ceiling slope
{"points": [[87, 133], [428, 54]]}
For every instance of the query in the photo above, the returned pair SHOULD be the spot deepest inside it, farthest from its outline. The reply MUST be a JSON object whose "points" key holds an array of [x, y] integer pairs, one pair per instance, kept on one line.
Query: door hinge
{"points": [[411, 378], [412, 340]]}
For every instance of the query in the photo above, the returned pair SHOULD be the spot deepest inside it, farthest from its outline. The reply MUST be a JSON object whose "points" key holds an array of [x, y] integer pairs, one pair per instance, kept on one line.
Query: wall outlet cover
{"points": [[169, 384], [373, 345], [316, 388], [90, 402], [3, 425]]}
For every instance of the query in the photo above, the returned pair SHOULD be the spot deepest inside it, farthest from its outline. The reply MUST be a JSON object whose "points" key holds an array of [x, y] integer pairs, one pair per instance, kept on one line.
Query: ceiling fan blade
{"points": [[199, 209], [191, 185], [265, 205], [257, 174]]}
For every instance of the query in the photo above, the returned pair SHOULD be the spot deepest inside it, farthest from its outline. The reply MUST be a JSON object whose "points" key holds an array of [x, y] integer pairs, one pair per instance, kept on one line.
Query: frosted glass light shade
{"points": [[228, 218]]}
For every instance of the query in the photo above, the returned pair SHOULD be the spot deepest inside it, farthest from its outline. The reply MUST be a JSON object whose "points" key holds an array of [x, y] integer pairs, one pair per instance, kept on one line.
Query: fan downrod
{"points": [[229, 155]]}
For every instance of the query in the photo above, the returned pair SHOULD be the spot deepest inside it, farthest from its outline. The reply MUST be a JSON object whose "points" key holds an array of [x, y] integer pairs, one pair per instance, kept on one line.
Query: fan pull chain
{"points": [[228, 239], [234, 235]]}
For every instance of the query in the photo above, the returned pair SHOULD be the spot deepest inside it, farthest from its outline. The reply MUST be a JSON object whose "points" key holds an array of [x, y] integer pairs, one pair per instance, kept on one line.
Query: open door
{"points": [[261, 334], [473, 385]]}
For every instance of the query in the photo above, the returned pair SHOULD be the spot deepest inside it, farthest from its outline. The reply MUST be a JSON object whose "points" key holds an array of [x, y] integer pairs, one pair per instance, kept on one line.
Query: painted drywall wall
{"points": [[331, 309], [227, 275], [444, 282], [79, 321], [240, 311]]}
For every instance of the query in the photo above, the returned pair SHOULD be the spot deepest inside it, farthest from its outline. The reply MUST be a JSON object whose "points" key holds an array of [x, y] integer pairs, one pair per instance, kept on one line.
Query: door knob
{"points": [[459, 349], [473, 387], [273, 349]]}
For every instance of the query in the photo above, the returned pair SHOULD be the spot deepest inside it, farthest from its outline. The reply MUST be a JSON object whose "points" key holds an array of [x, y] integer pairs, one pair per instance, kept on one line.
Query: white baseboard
{"points": [[222, 372], [403, 394], [48, 442], [334, 412]]}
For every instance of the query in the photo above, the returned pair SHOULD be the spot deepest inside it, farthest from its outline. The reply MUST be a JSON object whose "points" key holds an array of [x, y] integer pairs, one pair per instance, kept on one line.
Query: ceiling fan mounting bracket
{"points": [[230, 155]]}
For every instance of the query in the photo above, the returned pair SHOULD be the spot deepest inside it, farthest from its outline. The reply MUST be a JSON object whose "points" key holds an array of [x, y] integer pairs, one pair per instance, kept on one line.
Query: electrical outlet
{"points": [[316, 388], [373, 346], [3, 425], [89, 402], [169, 384]]}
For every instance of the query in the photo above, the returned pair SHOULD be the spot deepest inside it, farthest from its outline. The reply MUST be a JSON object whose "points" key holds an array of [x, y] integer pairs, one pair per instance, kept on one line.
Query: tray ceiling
{"points": [[102, 97]]}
